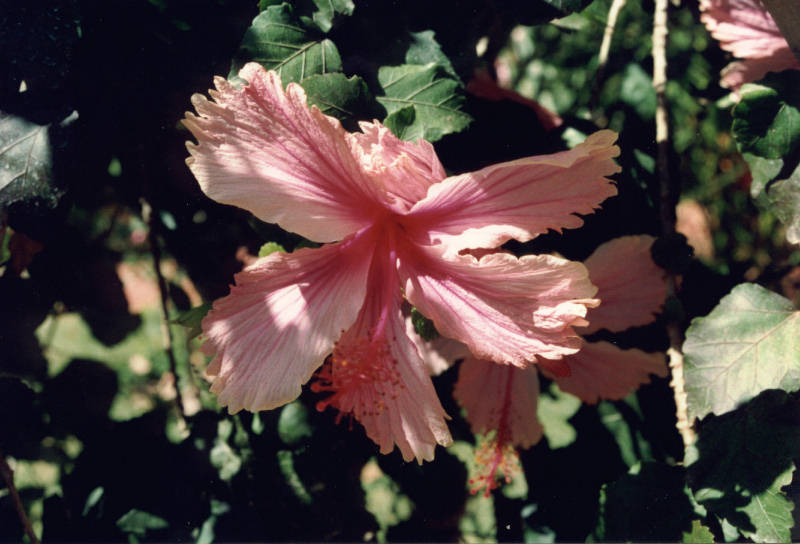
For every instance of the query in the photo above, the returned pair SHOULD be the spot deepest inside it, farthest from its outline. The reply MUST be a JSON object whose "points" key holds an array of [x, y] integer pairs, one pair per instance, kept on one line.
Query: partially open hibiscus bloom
{"points": [[746, 29], [396, 224], [501, 401]]}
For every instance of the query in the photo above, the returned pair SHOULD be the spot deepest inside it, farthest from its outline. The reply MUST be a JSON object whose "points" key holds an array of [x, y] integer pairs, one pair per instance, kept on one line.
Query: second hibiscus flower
{"points": [[396, 224]]}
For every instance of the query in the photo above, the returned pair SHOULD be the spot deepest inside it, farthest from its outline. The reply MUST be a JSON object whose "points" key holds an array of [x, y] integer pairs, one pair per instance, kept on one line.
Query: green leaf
{"points": [[765, 124], [139, 522], [293, 425], [741, 460], [568, 6], [277, 40], [554, 410], [26, 162], [763, 171], [327, 11], [771, 512], [748, 343], [341, 97], [781, 197], [436, 99], [192, 318], [637, 91], [423, 326], [650, 503], [286, 466], [269, 248], [700, 534], [222, 456], [424, 49]]}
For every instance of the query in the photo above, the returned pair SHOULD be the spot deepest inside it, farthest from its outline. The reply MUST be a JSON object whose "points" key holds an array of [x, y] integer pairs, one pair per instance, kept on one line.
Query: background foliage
{"points": [[104, 411]]}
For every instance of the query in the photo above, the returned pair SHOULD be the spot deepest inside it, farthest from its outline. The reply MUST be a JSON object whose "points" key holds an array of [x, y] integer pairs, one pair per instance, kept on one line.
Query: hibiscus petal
{"points": [[405, 169], [504, 309], [280, 321], [502, 398], [380, 379], [438, 354], [518, 199], [603, 371], [263, 149], [631, 287], [746, 29]]}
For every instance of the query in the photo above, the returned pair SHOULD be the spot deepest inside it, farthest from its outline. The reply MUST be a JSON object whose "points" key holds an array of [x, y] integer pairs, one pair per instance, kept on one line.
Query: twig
{"points": [[668, 191], [605, 48], [787, 17], [8, 476], [155, 251]]}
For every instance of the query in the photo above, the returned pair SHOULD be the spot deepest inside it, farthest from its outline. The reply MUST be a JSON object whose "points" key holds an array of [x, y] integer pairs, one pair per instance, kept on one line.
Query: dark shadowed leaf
{"points": [[293, 424], [649, 503], [568, 6], [436, 99], [748, 343], [741, 461], [278, 40], [765, 124], [424, 49]]}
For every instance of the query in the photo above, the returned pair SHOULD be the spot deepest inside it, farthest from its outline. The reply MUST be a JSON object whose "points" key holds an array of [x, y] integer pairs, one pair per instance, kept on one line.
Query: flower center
{"points": [[360, 376]]}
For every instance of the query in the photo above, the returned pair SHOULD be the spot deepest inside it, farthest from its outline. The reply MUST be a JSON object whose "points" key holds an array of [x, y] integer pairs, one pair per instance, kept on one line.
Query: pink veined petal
{"points": [[738, 73], [746, 29], [743, 27], [263, 149], [602, 371], [631, 287], [404, 169], [518, 199], [505, 309], [280, 321], [502, 398], [438, 354], [377, 375]]}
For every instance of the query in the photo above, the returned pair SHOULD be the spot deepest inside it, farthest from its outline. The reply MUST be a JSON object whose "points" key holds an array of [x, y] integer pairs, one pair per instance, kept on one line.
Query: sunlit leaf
{"points": [[435, 97], [554, 410], [781, 197], [293, 424], [139, 522], [748, 343], [700, 534], [26, 162], [771, 512], [278, 40]]}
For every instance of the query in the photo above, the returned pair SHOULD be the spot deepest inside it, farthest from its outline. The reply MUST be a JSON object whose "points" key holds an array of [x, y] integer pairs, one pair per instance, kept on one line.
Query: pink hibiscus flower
{"points": [[394, 223], [746, 29], [501, 400]]}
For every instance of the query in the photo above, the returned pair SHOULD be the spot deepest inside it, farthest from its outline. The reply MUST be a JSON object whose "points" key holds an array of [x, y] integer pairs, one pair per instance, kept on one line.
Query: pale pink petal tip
{"points": [[279, 322], [519, 199], [504, 309], [748, 31], [602, 371], [261, 148], [631, 287]]}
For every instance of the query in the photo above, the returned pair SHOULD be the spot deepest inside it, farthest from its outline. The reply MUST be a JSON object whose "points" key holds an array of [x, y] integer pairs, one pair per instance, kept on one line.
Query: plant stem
{"points": [[605, 49], [8, 476], [155, 251], [668, 192]]}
